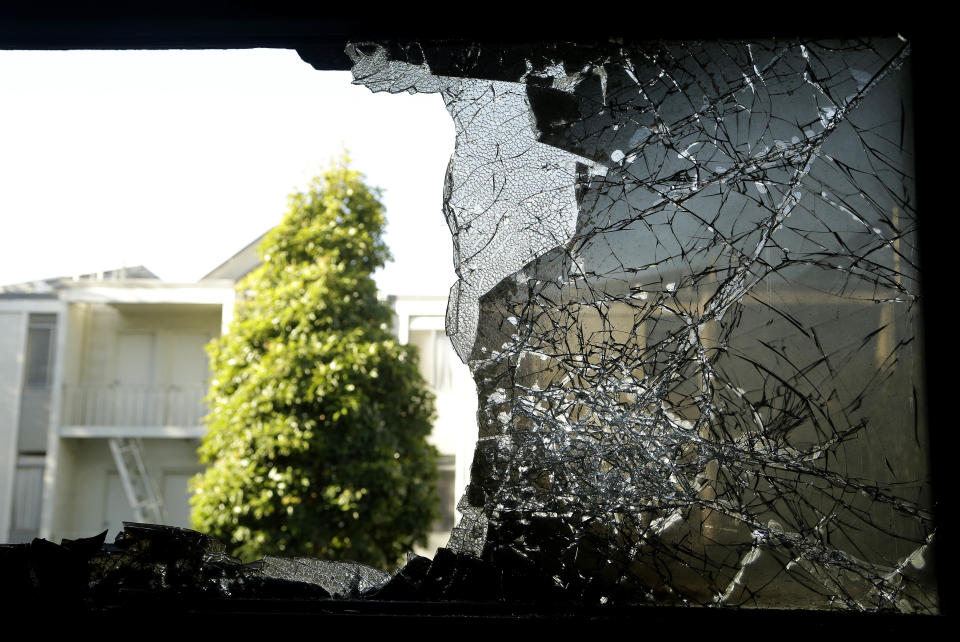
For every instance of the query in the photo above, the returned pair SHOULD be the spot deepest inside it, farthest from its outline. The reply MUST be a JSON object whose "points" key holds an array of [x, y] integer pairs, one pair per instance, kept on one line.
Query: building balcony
{"points": [[119, 410]]}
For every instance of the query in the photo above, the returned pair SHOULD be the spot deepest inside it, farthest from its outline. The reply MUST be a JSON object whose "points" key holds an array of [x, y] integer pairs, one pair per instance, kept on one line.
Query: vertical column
{"points": [[53, 456], [13, 338]]}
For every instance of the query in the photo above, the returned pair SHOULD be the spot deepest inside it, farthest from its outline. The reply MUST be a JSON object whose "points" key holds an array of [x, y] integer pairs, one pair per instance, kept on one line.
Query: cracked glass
{"points": [[688, 293]]}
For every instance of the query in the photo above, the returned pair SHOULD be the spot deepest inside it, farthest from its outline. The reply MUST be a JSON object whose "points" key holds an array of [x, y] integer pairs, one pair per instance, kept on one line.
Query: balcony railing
{"points": [[126, 405]]}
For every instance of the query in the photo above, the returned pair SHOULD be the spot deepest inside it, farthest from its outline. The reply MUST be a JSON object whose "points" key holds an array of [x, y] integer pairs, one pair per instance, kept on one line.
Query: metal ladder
{"points": [[139, 486]]}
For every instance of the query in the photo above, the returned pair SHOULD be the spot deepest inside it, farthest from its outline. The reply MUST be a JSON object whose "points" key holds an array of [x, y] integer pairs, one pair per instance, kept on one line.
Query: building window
{"points": [[40, 349]]}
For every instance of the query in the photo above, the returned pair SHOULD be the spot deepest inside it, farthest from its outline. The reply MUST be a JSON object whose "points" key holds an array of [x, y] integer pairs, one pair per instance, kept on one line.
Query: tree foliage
{"points": [[318, 424]]}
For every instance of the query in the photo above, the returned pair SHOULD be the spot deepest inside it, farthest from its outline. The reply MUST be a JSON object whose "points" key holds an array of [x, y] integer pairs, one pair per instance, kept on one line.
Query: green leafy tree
{"points": [[318, 424]]}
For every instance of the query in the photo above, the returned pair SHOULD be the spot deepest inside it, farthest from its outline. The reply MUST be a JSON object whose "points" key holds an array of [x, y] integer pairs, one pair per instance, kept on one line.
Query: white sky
{"points": [[177, 159]]}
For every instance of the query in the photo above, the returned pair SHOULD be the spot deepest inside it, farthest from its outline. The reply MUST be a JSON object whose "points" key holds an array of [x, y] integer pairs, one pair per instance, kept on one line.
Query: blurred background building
{"points": [[102, 381]]}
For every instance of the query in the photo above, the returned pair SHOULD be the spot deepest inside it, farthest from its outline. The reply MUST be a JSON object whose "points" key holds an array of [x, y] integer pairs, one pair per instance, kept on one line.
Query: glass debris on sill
{"points": [[688, 293]]}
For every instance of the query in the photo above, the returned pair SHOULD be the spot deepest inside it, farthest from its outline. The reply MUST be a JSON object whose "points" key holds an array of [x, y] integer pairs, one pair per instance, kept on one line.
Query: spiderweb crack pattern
{"points": [[688, 293]]}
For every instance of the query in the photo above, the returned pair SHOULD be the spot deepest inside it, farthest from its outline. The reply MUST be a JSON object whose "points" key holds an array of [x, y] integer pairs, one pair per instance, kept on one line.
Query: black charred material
{"points": [[159, 562], [184, 569], [162, 577], [502, 576]]}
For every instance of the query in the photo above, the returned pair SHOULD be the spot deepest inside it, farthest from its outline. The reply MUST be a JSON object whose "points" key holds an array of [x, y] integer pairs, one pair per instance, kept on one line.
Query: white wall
{"points": [[78, 493], [91, 498], [13, 333], [420, 321], [58, 500], [455, 430], [77, 324], [98, 354]]}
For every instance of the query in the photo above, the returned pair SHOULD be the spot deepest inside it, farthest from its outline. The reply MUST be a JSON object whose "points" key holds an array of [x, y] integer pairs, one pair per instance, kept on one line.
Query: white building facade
{"points": [[102, 381], [89, 365]]}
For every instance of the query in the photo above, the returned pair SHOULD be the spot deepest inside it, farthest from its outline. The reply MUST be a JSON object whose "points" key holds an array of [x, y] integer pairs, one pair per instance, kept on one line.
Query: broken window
{"points": [[688, 292]]}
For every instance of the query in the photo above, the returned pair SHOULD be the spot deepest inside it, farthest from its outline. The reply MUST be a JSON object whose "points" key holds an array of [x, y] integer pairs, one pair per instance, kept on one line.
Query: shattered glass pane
{"points": [[688, 293]]}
